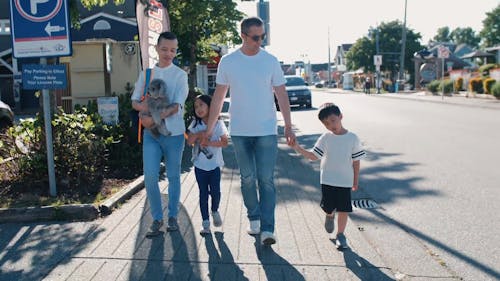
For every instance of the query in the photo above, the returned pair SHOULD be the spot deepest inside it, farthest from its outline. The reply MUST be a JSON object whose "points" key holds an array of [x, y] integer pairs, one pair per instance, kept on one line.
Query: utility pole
{"points": [[329, 67], [378, 53], [403, 46]]}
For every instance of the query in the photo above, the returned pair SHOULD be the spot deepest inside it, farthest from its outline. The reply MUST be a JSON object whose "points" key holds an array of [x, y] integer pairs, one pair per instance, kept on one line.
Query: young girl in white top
{"points": [[207, 160]]}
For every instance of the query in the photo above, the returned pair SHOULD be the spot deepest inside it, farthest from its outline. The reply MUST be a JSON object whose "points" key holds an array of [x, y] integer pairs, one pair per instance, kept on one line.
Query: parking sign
{"points": [[40, 28]]}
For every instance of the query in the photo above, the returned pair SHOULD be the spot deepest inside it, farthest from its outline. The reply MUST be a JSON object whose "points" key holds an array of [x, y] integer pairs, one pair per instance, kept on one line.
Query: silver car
{"points": [[6, 116]]}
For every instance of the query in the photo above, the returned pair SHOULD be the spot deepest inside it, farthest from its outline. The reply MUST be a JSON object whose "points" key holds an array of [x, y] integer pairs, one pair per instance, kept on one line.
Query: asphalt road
{"points": [[433, 169]]}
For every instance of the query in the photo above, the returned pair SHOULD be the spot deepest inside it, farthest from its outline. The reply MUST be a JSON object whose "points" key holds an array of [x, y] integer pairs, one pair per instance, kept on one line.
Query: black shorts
{"points": [[335, 198]]}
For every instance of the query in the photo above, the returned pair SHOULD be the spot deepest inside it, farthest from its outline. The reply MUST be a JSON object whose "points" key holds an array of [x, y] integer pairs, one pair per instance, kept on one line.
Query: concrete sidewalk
{"points": [[115, 247]]}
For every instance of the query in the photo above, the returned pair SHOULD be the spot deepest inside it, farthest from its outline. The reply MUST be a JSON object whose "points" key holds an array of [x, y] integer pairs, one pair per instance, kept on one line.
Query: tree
{"points": [[465, 36], [198, 24], [442, 35], [490, 34], [362, 52], [89, 4]]}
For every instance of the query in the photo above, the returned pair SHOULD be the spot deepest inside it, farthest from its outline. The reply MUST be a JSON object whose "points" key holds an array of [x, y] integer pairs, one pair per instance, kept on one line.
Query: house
{"points": [[340, 55]]}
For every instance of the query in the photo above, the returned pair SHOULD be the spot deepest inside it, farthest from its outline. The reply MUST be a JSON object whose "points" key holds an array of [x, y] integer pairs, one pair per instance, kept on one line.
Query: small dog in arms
{"points": [[157, 102]]}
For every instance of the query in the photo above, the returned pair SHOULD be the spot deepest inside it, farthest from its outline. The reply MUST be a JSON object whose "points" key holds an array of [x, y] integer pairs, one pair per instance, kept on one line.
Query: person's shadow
{"points": [[362, 268], [221, 267], [275, 267]]}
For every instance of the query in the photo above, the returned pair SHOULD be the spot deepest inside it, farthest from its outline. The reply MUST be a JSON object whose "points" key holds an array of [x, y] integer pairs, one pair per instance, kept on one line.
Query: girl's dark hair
{"points": [[167, 35], [328, 109], [207, 100]]}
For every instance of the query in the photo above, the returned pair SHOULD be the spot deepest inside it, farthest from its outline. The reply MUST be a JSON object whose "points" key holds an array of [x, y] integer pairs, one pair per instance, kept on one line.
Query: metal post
{"points": [[329, 67], [378, 68], [403, 46], [48, 136], [442, 78]]}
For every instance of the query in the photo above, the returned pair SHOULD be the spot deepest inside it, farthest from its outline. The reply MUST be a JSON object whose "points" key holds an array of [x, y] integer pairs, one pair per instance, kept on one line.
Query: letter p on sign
{"points": [[34, 5]]}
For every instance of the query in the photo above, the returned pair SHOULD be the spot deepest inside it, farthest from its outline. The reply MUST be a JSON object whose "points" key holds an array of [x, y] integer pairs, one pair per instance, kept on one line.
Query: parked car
{"points": [[324, 84], [6, 116], [298, 91]]}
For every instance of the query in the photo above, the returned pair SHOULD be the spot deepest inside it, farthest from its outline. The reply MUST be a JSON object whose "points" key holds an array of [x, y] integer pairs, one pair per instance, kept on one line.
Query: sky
{"points": [[299, 30]]}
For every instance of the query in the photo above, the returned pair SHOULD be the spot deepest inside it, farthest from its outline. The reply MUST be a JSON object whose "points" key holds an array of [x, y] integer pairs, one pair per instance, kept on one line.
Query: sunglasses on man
{"points": [[257, 38]]}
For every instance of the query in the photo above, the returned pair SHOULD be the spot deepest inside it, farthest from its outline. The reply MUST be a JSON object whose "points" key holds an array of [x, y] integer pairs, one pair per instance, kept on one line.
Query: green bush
{"points": [[448, 86], [458, 84], [495, 89], [433, 86], [476, 85], [487, 85], [485, 69], [85, 149]]}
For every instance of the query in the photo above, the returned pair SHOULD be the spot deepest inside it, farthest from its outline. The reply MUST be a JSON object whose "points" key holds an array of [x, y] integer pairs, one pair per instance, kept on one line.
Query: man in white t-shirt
{"points": [[251, 74]]}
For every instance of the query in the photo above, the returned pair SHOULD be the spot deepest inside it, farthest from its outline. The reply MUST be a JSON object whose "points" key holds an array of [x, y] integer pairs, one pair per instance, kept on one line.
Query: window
{"points": [[4, 27]]}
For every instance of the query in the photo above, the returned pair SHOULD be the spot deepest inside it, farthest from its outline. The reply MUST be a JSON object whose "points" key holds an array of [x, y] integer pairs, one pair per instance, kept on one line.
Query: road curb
{"points": [[75, 212], [107, 207]]}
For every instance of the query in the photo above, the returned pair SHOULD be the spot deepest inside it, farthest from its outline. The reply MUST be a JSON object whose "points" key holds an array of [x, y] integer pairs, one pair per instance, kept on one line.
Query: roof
{"points": [[477, 54]]}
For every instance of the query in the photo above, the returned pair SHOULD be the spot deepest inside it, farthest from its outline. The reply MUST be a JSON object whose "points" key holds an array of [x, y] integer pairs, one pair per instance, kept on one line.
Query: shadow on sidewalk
{"points": [[362, 268], [170, 255], [36, 248], [275, 267], [221, 266]]}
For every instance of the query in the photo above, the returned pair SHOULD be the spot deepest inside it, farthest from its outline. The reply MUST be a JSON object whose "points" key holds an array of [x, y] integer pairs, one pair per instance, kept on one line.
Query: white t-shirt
{"points": [[202, 162], [337, 153], [251, 80], [177, 92]]}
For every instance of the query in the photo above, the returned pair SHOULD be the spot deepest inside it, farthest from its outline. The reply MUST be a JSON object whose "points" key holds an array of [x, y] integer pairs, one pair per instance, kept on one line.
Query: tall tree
{"points": [[490, 34], [442, 35], [202, 25], [362, 52], [465, 36]]}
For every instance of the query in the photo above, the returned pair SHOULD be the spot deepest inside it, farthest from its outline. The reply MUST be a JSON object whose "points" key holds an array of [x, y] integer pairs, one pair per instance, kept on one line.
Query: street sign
{"points": [[40, 28], [38, 77], [443, 52], [377, 60]]}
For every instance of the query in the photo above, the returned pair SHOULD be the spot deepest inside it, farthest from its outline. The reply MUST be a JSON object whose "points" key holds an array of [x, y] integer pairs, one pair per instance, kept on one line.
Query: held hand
{"points": [[290, 136], [146, 120], [204, 137]]}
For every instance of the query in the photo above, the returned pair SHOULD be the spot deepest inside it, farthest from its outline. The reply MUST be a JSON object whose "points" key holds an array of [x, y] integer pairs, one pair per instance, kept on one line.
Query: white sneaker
{"points": [[205, 227], [254, 227], [267, 238]]}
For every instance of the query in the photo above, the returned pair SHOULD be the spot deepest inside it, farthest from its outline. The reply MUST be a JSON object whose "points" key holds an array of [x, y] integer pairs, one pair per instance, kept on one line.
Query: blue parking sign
{"points": [[40, 28]]}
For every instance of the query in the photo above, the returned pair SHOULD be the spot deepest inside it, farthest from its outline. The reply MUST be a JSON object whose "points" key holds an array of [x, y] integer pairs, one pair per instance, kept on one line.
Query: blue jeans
{"points": [[152, 151], [256, 157], [209, 184]]}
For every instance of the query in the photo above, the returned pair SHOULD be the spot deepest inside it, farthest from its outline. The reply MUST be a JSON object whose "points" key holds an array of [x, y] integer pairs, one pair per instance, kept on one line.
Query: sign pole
{"points": [[442, 78], [48, 136]]}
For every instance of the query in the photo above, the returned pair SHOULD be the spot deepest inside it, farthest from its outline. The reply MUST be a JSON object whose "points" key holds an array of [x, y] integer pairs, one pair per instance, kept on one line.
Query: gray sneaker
{"points": [[329, 223], [341, 241], [217, 219], [155, 228], [172, 224]]}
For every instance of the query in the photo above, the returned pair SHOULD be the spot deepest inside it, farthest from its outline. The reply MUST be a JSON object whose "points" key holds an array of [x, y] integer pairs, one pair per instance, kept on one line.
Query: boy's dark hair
{"points": [[206, 99], [168, 35], [249, 22], [328, 109]]}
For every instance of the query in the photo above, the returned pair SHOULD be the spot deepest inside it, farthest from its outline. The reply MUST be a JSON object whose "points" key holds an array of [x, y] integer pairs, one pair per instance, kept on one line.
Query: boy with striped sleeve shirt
{"points": [[340, 152]]}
